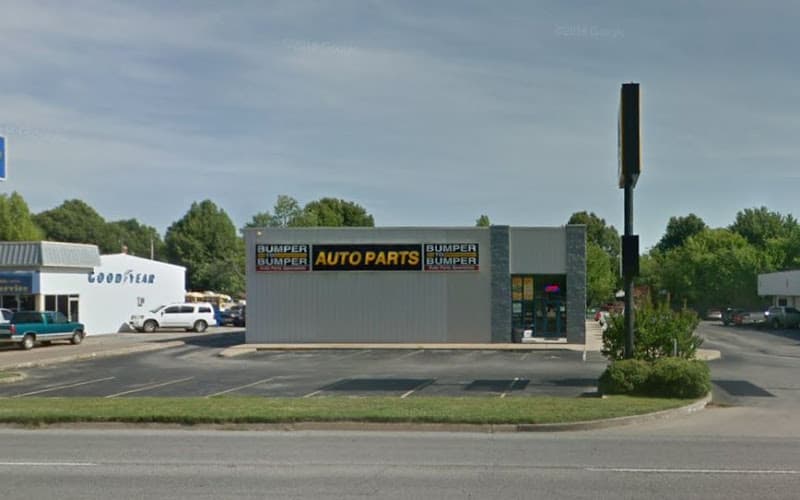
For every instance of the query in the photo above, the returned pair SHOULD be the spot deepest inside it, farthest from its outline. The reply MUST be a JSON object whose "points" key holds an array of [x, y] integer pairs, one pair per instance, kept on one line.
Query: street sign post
{"points": [[2, 158]]}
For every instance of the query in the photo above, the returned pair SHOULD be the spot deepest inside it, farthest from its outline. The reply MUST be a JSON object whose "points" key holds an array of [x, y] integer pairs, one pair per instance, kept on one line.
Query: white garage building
{"points": [[783, 287], [101, 291]]}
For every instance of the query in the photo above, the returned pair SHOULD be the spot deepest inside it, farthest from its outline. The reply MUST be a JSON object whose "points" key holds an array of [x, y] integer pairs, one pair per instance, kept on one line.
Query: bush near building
{"points": [[663, 363]]}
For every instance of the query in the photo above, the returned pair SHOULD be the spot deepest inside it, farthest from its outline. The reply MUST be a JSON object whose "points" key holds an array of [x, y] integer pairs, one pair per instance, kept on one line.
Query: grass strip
{"points": [[228, 410], [7, 375]]}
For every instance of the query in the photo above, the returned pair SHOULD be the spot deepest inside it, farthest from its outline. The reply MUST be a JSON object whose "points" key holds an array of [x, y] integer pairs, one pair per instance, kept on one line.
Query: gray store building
{"points": [[415, 284]]}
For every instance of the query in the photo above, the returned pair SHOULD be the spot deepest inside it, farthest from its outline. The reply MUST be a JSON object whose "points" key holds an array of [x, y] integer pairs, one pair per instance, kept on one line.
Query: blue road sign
{"points": [[2, 158]]}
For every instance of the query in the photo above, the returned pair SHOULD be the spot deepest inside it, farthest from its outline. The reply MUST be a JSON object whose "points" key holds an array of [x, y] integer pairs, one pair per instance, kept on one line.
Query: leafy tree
{"points": [[602, 271], [287, 209], [16, 222], [261, 219], [333, 212], [759, 225], [136, 238], [205, 242], [678, 230], [600, 278], [714, 267], [76, 222], [597, 231], [483, 221]]}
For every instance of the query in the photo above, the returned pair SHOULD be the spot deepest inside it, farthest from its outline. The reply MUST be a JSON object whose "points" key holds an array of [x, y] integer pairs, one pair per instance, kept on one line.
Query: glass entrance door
{"points": [[538, 303]]}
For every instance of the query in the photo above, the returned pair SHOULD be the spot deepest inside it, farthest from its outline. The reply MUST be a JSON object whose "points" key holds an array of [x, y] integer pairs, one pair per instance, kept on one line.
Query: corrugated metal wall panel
{"points": [[48, 254], [369, 306], [538, 250]]}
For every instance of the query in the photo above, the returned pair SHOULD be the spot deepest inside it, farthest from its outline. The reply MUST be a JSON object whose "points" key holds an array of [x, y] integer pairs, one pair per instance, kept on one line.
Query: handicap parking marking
{"points": [[62, 386], [148, 387], [234, 389]]}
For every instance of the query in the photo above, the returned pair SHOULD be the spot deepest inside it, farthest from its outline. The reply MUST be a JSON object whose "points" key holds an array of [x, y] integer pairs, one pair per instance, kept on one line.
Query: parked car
{"points": [[5, 315], [749, 318], [26, 328], [195, 316], [232, 316], [714, 313], [729, 315], [782, 317]]}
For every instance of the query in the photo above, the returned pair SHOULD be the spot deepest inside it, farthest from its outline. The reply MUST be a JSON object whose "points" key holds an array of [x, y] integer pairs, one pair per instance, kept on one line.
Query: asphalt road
{"points": [[177, 464], [196, 370]]}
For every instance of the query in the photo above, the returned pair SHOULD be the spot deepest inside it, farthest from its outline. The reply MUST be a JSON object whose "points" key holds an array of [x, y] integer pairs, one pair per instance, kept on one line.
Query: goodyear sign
{"points": [[367, 257], [272, 257], [283, 257], [16, 283], [451, 256]]}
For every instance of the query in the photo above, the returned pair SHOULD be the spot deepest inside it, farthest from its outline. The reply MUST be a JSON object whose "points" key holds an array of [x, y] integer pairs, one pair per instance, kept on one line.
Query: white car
{"points": [[5, 315], [195, 316]]}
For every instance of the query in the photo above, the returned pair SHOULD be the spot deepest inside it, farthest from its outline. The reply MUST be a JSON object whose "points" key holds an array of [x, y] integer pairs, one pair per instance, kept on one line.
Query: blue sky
{"points": [[426, 113]]}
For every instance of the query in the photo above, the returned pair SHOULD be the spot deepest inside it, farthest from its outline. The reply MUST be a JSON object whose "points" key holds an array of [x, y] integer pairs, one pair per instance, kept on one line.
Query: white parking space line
{"points": [[409, 354], [62, 386], [353, 355], [417, 388], [524, 356], [234, 389], [47, 464], [510, 387], [151, 386], [312, 394], [695, 471]]}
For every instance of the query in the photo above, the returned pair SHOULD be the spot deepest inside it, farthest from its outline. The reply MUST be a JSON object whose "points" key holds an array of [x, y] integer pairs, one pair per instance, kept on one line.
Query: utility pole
{"points": [[629, 168]]}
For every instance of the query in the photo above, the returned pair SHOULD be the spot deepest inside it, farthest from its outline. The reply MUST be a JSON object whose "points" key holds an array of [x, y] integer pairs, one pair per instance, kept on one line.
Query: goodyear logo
{"points": [[367, 257]]}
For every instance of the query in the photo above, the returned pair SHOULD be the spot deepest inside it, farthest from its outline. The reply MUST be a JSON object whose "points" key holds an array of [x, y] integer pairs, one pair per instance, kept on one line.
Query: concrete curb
{"points": [[393, 426], [708, 354], [238, 350], [95, 355]]}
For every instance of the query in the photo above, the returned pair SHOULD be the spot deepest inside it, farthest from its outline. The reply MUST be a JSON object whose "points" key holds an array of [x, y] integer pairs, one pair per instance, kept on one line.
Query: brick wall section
{"points": [[576, 284], [501, 284]]}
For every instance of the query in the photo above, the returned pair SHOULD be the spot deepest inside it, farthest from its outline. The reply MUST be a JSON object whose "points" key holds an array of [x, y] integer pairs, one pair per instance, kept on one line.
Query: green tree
{"points": [[333, 212], [286, 211], [483, 221], [206, 243], [136, 238], [76, 222], [602, 272], [759, 225], [598, 231], [713, 268], [600, 278], [678, 230], [16, 222]]}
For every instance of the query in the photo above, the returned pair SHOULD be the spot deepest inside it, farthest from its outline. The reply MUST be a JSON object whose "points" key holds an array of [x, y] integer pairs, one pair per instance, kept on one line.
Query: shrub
{"points": [[628, 376], [656, 331], [678, 378]]}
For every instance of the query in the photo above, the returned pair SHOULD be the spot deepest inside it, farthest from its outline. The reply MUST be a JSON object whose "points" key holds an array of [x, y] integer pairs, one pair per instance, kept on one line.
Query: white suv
{"points": [[195, 316]]}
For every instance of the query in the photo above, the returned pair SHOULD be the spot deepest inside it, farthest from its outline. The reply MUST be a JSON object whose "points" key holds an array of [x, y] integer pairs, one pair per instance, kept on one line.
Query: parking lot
{"points": [[195, 369]]}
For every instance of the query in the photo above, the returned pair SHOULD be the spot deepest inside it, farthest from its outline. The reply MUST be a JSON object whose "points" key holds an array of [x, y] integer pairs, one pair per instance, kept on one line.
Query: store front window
{"points": [[539, 303], [17, 302], [66, 304]]}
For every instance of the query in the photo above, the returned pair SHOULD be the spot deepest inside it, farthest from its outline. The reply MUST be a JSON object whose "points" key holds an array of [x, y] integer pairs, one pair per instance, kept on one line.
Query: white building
{"points": [[101, 291], [783, 287]]}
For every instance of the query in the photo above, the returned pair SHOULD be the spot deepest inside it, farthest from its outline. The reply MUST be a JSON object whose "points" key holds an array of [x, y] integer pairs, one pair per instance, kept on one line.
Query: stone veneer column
{"points": [[501, 284], [576, 284]]}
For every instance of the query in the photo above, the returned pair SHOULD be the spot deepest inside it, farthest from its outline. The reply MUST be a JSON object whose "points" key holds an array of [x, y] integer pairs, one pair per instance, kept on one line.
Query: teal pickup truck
{"points": [[26, 328]]}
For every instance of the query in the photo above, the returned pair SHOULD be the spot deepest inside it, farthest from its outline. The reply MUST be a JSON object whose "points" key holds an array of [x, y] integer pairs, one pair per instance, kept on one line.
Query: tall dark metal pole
{"points": [[627, 275]]}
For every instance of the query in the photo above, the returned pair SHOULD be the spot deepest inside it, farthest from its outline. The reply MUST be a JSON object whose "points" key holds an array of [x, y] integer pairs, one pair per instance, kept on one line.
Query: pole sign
{"points": [[628, 140], [2, 158]]}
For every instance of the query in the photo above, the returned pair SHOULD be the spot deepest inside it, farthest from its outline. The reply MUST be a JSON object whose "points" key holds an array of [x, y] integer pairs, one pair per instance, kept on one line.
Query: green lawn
{"points": [[471, 410], [7, 375]]}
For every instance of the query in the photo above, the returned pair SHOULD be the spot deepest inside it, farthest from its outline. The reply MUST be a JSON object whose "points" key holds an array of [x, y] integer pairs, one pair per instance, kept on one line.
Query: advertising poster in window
{"points": [[274, 257], [527, 288], [516, 288], [451, 256], [367, 257]]}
